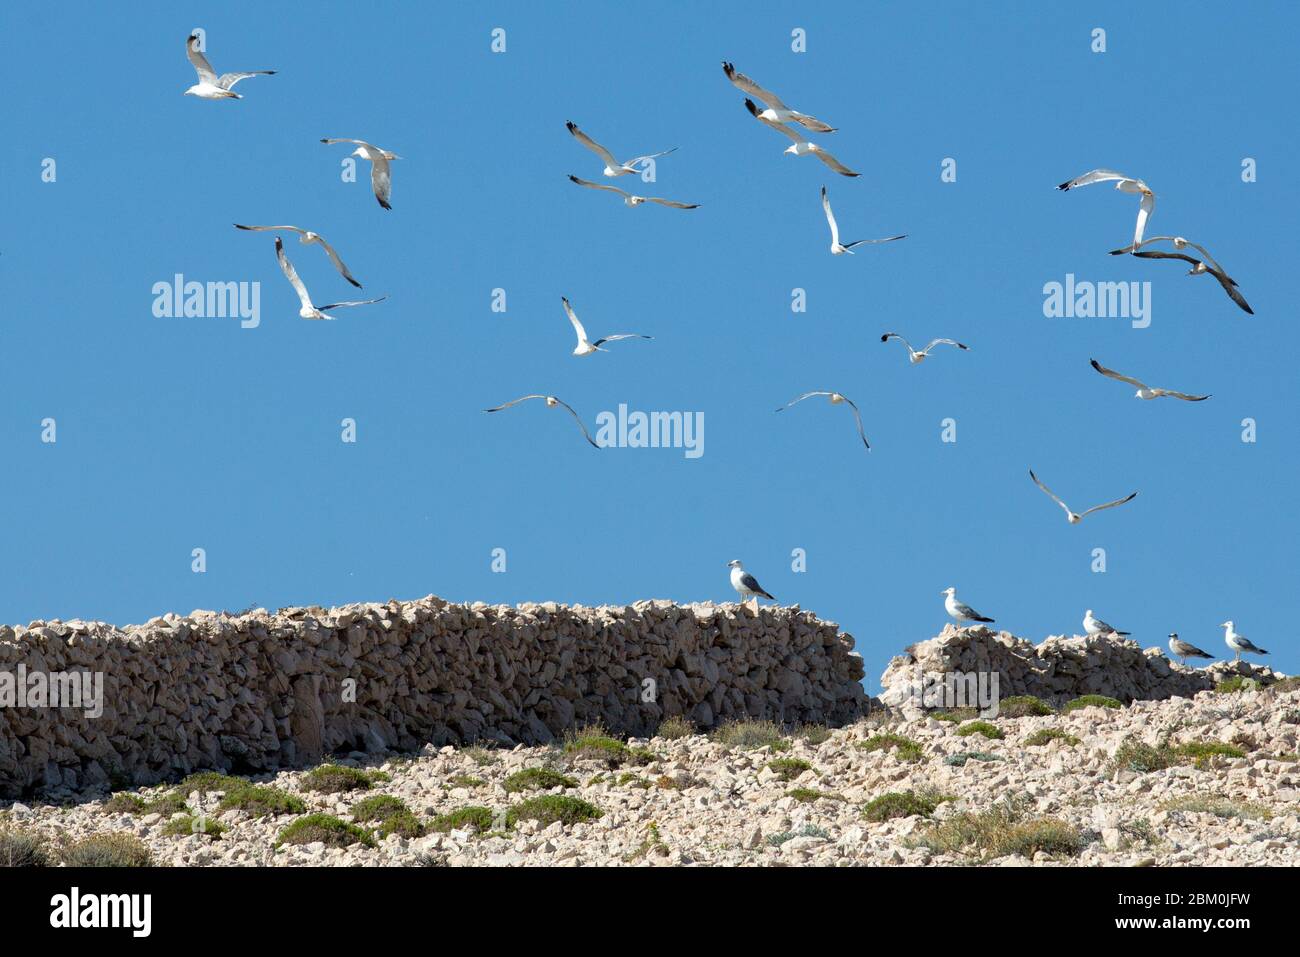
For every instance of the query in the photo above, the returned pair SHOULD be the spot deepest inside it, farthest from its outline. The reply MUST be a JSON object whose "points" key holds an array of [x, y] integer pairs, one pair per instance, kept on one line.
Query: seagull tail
{"points": [[773, 598], [1123, 632], [987, 621]]}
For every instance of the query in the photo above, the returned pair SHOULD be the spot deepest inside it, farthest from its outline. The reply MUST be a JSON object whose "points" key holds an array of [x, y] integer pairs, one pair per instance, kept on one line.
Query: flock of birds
{"points": [[777, 116]]}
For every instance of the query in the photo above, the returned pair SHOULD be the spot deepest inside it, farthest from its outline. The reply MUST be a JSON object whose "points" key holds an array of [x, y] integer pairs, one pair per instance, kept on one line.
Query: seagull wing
{"points": [[1181, 395], [1230, 288], [522, 398], [381, 177], [779, 127], [744, 83], [331, 140], [592, 145], [944, 342], [199, 61], [338, 263], [352, 302], [638, 160], [1050, 493], [1145, 209], [577, 326], [621, 335], [227, 80], [672, 203], [577, 419], [858, 416], [292, 274], [266, 229], [1093, 176], [843, 170], [591, 185], [1112, 374], [806, 395], [894, 335], [1118, 501], [830, 218], [1205, 253]]}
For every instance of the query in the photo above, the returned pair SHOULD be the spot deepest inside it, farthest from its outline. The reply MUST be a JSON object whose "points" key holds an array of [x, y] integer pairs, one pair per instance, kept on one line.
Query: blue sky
{"points": [[182, 433]]}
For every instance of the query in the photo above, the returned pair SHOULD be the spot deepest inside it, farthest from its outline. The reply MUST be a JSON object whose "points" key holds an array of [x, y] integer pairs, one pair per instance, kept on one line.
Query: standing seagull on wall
{"points": [[211, 86], [960, 610], [1095, 626], [746, 585], [1239, 643], [1185, 649]]}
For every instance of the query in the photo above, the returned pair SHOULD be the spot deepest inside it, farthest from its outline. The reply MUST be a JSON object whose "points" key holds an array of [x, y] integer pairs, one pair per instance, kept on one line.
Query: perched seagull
{"points": [[801, 146], [1125, 184], [915, 356], [1239, 643], [631, 200], [551, 402], [381, 177], [745, 583], [211, 86], [308, 311], [777, 111], [836, 246], [1185, 649], [585, 348], [1145, 391], [1095, 626], [960, 610], [307, 237], [1072, 517], [612, 166], [836, 399], [1198, 267], [1179, 243]]}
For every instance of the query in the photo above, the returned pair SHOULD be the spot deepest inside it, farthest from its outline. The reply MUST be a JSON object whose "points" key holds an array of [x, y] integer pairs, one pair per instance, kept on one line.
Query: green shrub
{"points": [[260, 801], [594, 743], [956, 715], [205, 781], [749, 735], [787, 769], [1236, 683], [537, 779], [959, 759], [20, 848], [123, 802], [326, 828], [671, 729], [465, 781], [809, 795], [813, 734], [335, 779], [1023, 706], [808, 830], [1002, 830], [1047, 735], [471, 818], [902, 804], [1092, 701], [980, 727], [391, 814], [905, 749], [480, 756], [1219, 807], [187, 825], [549, 808], [108, 850]]}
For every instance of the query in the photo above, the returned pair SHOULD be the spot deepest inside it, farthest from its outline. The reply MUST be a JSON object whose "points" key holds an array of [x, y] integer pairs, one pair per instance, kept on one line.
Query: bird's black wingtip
{"points": [[1065, 185]]}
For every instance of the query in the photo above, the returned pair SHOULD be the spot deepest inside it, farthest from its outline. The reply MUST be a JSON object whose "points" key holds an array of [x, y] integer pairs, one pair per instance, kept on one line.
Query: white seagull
{"points": [[211, 86], [1145, 391], [551, 402], [632, 200], [1185, 649], [308, 311], [913, 355], [836, 399], [612, 166], [1200, 268], [801, 146], [1125, 184], [960, 610], [745, 583], [1178, 242], [381, 177], [777, 111], [307, 237], [1095, 626], [1239, 643], [586, 348], [838, 247], [1072, 517]]}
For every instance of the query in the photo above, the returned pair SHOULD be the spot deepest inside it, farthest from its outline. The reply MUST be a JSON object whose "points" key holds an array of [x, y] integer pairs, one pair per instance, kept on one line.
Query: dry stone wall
{"points": [[260, 691]]}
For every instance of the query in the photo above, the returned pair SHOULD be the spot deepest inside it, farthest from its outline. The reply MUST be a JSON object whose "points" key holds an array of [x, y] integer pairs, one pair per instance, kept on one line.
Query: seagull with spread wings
{"points": [[381, 176], [1145, 391], [777, 111], [1072, 517], [838, 247], [631, 200], [914, 356], [211, 86], [1125, 184], [586, 347], [612, 166], [1198, 268], [307, 237], [1178, 242], [836, 398], [551, 402], [801, 146], [309, 311]]}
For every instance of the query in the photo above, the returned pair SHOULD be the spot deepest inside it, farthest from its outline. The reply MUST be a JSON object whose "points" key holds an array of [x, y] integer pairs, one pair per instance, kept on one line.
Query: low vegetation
{"points": [[1093, 701], [787, 769], [22, 848], [550, 808], [1002, 830], [895, 804], [336, 779], [1023, 706], [1045, 736], [904, 749], [981, 727], [537, 779], [326, 828], [108, 850], [471, 818], [750, 736]]}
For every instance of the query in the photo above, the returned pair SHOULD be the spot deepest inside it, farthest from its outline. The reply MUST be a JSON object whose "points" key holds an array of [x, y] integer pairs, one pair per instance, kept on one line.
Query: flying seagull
{"points": [[551, 402], [745, 583], [960, 610], [1071, 517], [1095, 626], [913, 355], [307, 237], [801, 146], [612, 166], [836, 399], [1198, 267], [1145, 391], [308, 311], [586, 348], [211, 86], [1185, 649], [836, 246], [1239, 643], [631, 200], [1125, 184], [777, 112], [1179, 243], [381, 177]]}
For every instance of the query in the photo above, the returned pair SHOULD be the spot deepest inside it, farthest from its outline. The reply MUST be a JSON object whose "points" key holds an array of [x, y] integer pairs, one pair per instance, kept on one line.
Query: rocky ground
{"points": [[1185, 781]]}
